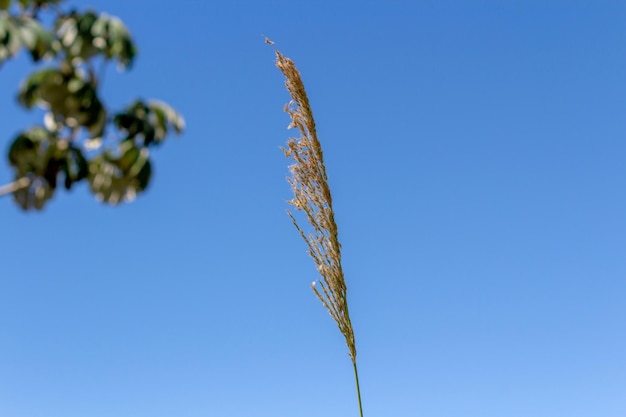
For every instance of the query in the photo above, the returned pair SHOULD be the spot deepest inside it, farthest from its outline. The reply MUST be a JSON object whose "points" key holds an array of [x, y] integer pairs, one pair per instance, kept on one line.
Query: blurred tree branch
{"points": [[68, 146]]}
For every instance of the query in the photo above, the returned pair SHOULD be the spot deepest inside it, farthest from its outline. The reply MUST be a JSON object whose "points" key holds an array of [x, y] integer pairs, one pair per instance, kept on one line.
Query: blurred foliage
{"points": [[79, 138]]}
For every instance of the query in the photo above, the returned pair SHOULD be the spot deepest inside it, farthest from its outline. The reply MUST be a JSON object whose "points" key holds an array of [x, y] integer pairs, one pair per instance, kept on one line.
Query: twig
{"points": [[14, 186]]}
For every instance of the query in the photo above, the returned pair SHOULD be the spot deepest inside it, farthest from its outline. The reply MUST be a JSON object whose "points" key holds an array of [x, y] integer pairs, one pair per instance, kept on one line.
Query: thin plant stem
{"points": [[358, 389]]}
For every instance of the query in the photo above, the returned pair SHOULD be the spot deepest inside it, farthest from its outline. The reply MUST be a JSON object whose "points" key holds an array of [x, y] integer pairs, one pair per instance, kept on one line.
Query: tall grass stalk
{"points": [[312, 196]]}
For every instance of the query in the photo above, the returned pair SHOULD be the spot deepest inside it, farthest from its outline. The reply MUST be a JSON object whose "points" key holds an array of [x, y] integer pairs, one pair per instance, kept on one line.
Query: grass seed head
{"points": [[312, 196]]}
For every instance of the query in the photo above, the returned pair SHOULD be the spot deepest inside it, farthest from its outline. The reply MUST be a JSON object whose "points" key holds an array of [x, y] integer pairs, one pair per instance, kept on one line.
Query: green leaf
{"points": [[40, 156], [39, 41], [27, 152], [148, 124], [129, 155], [31, 90], [75, 167], [4, 4], [72, 100], [23, 31], [116, 179], [10, 42], [167, 114], [120, 41], [89, 34], [38, 3], [36, 195]]}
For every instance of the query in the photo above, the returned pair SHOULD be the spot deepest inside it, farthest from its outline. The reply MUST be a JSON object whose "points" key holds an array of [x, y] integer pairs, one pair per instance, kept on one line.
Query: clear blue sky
{"points": [[477, 155]]}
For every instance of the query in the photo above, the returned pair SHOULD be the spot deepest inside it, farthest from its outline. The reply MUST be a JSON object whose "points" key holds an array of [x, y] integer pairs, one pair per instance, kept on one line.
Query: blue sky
{"points": [[477, 157]]}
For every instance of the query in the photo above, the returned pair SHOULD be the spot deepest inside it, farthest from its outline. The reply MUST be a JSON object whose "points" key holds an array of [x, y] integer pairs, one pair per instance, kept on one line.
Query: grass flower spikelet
{"points": [[312, 196]]}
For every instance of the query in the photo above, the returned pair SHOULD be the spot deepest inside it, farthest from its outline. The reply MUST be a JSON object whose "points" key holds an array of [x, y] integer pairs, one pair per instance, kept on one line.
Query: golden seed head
{"points": [[312, 196]]}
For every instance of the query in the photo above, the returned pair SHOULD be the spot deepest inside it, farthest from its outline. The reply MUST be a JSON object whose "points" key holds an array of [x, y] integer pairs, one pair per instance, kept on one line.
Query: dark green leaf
{"points": [[38, 3], [89, 34], [24, 31], [75, 167], [39, 155], [27, 152], [10, 42], [71, 99], [46, 82], [39, 42], [171, 116], [148, 124], [116, 179], [34, 196]]}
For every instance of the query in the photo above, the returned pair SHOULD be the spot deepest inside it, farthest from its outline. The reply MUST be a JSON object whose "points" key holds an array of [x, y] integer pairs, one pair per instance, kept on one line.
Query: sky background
{"points": [[476, 152]]}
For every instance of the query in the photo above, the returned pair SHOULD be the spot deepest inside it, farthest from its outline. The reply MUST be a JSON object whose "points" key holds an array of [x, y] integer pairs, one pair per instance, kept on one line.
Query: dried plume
{"points": [[309, 183]]}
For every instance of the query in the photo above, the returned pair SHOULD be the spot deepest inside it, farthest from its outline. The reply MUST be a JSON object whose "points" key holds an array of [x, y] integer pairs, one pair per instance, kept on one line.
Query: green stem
{"points": [[358, 390]]}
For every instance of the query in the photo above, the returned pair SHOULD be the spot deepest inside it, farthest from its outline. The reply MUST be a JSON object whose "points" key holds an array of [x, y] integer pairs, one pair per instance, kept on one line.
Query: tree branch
{"points": [[14, 186]]}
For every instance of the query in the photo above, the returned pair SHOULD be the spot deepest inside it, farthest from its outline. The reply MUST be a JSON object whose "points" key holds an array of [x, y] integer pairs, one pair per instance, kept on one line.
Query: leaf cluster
{"points": [[79, 138]]}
